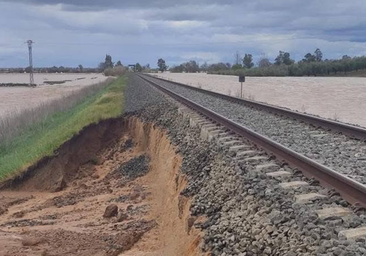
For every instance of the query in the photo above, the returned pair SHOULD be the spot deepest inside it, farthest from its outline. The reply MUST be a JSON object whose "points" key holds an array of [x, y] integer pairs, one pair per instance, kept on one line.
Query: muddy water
{"points": [[19, 98], [39, 221], [341, 98]]}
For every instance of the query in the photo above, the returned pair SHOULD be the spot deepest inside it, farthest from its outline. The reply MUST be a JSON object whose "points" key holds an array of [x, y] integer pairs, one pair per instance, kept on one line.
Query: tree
{"points": [[146, 68], [138, 67], [54, 69], [119, 64], [279, 58], [217, 67], [61, 69], [284, 58], [287, 59], [162, 66], [237, 66], [81, 68], [191, 67], [264, 62], [237, 58], [309, 58], [108, 63], [177, 69], [318, 55], [204, 67], [248, 61], [101, 66]]}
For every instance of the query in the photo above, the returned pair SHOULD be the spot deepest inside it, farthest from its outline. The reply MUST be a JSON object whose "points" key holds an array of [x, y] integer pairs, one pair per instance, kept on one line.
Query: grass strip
{"points": [[43, 138]]}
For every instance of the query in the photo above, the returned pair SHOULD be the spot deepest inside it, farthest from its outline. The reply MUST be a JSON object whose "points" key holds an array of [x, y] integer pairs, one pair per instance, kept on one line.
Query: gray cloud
{"points": [[205, 30], [112, 4]]}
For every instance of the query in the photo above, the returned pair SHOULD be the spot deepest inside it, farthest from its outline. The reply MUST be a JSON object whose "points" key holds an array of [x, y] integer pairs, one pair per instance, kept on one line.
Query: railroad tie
{"points": [[237, 148], [293, 184], [246, 153], [305, 198], [226, 138], [232, 143], [183, 110], [333, 212], [267, 167], [318, 136], [206, 129], [353, 234], [254, 159], [278, 174], [213, 134], [194, 121]]}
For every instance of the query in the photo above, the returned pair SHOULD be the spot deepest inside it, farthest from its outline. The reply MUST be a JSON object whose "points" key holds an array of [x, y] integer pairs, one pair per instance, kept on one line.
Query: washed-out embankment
{"points": [[113, 189]]}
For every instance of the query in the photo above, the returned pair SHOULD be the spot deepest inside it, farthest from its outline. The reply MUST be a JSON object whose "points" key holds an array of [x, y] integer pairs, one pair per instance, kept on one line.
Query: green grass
{"points": [[44, 138]]}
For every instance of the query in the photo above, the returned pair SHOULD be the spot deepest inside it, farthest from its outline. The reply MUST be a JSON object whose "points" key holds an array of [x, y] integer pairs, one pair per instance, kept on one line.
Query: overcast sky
{"points": [[72, 32]]}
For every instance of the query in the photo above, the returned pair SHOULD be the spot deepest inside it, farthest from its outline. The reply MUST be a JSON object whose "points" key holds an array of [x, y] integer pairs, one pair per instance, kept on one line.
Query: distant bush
{"points": [[116, 71], [273, 70], [302, 68]]}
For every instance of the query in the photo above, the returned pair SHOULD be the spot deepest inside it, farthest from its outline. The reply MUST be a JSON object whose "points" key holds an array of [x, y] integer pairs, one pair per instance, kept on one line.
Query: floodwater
{"points": [[339, 98], [14, 99]]}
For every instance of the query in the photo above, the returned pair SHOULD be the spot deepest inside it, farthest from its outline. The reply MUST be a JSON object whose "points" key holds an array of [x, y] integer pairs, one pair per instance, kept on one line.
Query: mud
{"points": [[56, 207], [16, 96]]}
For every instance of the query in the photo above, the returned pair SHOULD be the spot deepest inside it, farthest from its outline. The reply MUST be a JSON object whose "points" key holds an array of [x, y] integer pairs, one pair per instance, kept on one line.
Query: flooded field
{"points": [[340, 98], [50, 87]]}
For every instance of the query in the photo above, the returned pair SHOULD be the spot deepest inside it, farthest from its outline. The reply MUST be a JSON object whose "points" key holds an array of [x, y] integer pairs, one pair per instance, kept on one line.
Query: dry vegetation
{"points": [[116, 71], [14, 123]]}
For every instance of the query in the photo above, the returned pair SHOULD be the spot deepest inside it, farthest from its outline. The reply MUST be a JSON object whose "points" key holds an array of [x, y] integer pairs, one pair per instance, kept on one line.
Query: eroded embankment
{"points": [[112, 190], [247, 211]]}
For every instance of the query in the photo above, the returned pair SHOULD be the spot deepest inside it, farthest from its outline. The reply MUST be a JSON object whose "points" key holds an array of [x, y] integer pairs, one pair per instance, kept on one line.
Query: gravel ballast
{"points": [[135, 168], [247, 212], [337, 151]]}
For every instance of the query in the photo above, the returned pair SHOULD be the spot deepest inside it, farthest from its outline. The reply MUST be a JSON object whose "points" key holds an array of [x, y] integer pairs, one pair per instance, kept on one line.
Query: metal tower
{"points": [[31, 77]]}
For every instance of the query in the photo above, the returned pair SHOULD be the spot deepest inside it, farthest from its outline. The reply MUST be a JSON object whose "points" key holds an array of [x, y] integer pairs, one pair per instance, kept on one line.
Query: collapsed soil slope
{"points": [[57, 207]]}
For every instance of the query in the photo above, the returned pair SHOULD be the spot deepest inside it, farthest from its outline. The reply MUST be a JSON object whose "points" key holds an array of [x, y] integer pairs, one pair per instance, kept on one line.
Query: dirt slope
{"points": [[123, 163]]}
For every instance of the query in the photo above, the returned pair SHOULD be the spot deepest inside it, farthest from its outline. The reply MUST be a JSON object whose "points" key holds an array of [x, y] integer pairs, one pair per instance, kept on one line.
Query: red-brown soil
{"points": [[57, 207]]}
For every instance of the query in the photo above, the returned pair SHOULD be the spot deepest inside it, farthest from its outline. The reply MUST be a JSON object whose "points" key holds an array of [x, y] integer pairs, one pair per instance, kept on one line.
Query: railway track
{"points": [[350, 130], [229, 132]]}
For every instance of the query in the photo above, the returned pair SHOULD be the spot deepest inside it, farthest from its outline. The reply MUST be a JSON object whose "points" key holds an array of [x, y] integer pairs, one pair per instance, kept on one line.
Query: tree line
{"points": [[312, 64], [110, 69], [107, 67]]}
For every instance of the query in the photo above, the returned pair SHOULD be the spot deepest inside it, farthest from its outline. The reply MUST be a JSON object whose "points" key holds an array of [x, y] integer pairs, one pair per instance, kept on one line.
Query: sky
{"points": [[73, 32]]}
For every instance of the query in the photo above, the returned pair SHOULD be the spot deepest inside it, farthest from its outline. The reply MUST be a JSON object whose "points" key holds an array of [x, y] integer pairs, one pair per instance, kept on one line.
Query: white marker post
{"points": [[241, 80]]}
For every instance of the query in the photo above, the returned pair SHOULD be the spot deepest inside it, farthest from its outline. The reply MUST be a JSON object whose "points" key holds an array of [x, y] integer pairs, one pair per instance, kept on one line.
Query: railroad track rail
{"points": [[351, 190]]}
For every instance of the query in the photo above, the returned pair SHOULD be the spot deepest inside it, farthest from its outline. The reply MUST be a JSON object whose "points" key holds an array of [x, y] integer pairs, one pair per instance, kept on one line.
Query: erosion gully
{"points": [[100, 195]]}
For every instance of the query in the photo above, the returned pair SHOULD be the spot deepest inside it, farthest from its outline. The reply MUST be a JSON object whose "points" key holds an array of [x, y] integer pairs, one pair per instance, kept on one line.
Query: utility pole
{"points": [[31, 77]]}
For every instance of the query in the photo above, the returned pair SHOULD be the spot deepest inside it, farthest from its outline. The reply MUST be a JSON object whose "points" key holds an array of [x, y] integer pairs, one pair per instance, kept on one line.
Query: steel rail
{"points": [[350, 130], [351, 190]]}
